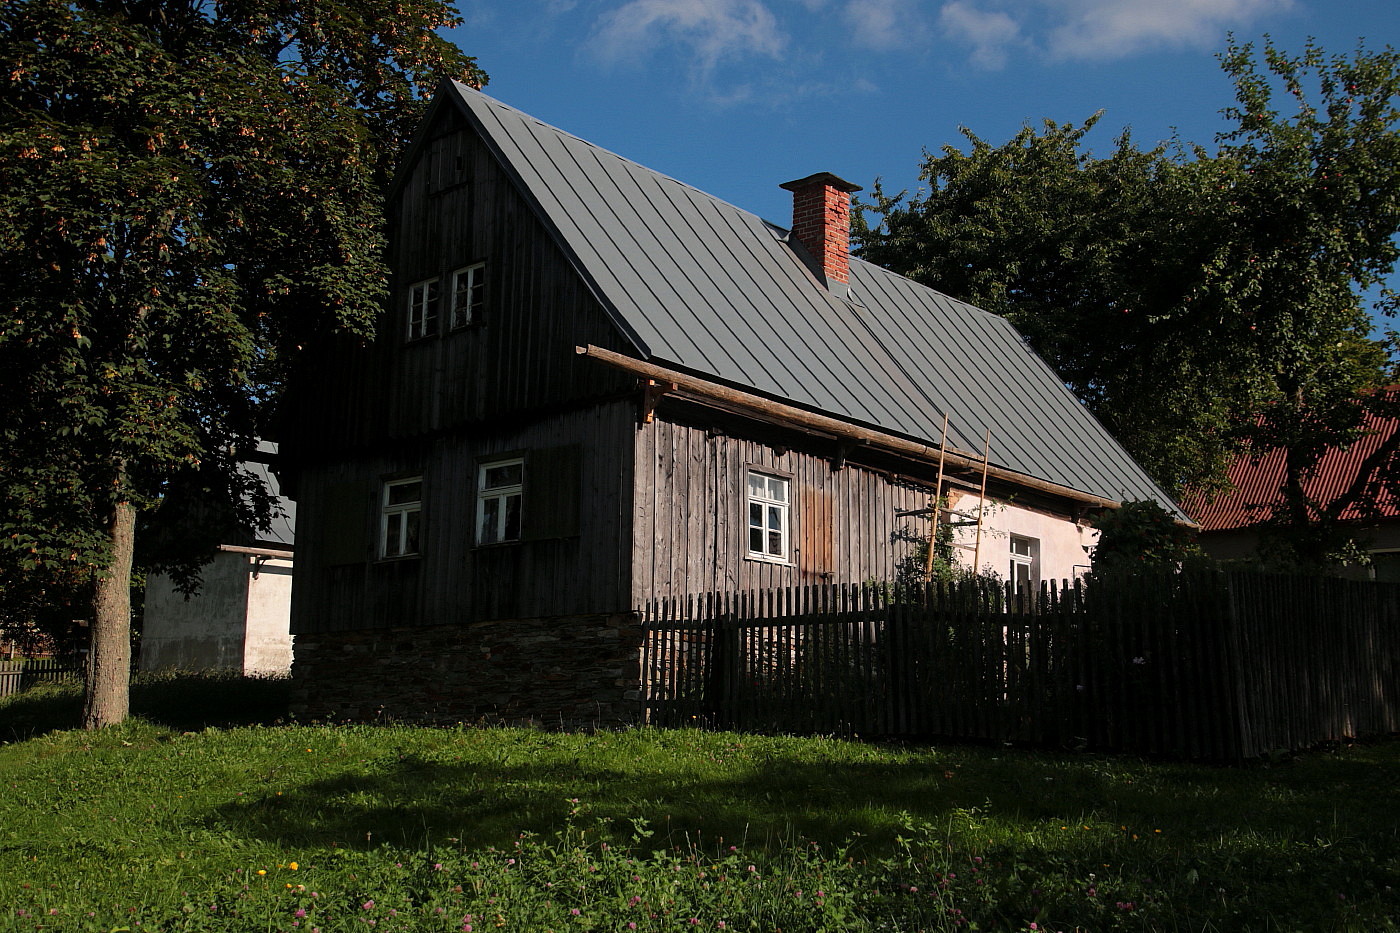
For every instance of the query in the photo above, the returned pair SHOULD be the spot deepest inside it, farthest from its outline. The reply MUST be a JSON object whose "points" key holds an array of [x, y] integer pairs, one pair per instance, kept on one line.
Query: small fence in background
{"points": [[20, 674], [1216, 666]]}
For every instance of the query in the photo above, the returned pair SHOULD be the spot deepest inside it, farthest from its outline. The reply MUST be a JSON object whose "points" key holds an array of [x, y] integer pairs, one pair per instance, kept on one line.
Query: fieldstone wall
{"points": [[570, 672]]}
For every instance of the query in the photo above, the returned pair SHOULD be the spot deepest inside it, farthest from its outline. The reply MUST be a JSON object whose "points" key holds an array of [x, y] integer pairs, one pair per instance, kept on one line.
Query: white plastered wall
{"points": [[240, 619], [1062, 545]]}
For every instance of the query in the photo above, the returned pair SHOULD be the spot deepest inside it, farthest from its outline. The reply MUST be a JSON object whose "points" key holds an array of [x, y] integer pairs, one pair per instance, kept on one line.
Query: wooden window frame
{"points": [[475, 292], [501, 495], [1030, 560], [405, 517], [783, 508], [422, 312]]}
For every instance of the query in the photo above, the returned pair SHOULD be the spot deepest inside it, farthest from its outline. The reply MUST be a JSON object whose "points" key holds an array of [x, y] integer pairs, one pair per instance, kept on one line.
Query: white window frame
{"points": [[423, 299], [404, 518], [468, 282], [1029, 560], [501, 495], [770, 507]]}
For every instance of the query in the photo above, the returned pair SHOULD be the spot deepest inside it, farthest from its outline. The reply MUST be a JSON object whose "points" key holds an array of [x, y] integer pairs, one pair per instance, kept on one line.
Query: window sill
{"points": [[767, 559], [398, 558]]}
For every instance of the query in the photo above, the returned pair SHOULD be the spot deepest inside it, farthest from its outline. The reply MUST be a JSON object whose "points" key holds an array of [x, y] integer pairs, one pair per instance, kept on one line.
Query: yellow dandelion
{"points": [[262, 871], [292, 866]]}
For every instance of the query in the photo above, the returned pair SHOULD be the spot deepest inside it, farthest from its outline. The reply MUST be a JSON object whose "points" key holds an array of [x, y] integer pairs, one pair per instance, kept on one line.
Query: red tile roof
{"points": [[1257, 482]]}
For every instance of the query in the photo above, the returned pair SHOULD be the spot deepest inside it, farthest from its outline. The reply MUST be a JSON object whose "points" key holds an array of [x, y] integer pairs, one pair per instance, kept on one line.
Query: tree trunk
{"points": [[107, 696]]}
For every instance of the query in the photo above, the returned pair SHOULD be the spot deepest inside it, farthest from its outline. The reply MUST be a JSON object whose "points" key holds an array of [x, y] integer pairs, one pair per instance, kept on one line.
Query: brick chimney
{"points": [[821, 221]]}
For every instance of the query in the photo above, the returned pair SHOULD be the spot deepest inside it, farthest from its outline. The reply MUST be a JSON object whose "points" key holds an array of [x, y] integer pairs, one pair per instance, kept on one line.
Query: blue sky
{"points": [[737, 96]]}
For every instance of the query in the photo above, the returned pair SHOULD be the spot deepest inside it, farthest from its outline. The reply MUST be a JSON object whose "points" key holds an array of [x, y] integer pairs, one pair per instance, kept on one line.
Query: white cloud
{"points": [[1113, 28], [885, 24], [992, 34], [712, 30], [1094, 29]]}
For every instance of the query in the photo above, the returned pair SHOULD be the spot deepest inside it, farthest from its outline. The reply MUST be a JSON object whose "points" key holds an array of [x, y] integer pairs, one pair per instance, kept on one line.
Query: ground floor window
{"points": [[500, 488], [401, 508], [769, 505], [1024, 573]]}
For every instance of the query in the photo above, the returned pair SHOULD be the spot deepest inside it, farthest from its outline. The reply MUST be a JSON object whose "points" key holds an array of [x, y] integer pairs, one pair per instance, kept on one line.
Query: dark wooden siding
{"points": [[578, 465], [457, 207], [508, 382], [691, 495]]}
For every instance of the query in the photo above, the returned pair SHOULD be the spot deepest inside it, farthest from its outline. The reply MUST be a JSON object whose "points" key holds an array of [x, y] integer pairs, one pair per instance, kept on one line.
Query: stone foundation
{"points": [[571, 672]]}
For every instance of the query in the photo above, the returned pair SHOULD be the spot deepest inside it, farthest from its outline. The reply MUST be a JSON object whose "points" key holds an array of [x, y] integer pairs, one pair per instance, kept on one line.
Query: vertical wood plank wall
{"points": [[453, 581], [519, 356], [691, 527], [508, 382]]}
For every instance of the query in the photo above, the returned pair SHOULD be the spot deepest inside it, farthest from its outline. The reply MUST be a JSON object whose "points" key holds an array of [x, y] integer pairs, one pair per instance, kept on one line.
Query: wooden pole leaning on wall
{"points": [[937, 504], [982, 502]]}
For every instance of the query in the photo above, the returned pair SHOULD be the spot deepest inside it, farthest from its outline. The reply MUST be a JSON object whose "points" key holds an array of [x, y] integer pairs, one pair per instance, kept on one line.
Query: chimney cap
{"points": [[821, 178]]}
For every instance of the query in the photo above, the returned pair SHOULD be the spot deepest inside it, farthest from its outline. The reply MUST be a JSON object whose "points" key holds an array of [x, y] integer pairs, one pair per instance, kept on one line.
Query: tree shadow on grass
{"points": [[1015, 808], [409, 798], [183, 701]]}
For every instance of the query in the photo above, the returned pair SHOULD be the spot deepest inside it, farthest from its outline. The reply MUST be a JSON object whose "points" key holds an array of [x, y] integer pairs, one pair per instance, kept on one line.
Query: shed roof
{"points": [[704, 286]]}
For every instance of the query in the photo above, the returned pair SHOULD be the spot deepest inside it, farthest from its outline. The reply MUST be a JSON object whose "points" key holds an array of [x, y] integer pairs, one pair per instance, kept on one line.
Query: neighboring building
{"points": [[1229, 523], [240, 620], [598, 385]]}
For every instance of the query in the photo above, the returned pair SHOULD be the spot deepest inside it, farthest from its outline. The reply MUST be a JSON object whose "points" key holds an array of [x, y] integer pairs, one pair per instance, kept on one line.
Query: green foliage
{"points": [[1140, 536], [1183, 294], [916, 570], [190, 193], [521, 828]]}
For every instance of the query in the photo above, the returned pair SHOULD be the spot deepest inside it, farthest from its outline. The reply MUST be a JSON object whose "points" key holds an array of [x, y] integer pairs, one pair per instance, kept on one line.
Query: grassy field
{"points": [[172, 825]]}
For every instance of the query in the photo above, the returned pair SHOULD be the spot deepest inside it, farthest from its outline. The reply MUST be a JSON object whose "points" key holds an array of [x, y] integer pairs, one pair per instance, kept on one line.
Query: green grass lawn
{"points": [[327, 828]]}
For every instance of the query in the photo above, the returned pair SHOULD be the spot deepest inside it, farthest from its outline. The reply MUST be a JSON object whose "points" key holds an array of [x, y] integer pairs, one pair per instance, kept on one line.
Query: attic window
{"points": [[422, 308], [468, 294]]}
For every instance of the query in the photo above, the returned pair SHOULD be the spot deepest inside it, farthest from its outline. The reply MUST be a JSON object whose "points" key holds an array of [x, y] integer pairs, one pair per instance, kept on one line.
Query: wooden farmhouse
{"points": [[597, 385]]}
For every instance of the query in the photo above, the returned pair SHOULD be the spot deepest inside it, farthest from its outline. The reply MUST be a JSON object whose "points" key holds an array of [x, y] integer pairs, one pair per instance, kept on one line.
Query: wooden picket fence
{"points": [[1210, 666], [20, 674]]}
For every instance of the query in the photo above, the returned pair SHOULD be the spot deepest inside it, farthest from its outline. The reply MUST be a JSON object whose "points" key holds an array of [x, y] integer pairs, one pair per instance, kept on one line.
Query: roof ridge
{"points": [[497, 102]]}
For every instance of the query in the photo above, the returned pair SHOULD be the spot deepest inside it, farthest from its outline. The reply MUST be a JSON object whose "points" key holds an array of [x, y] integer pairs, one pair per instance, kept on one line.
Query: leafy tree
{"points": [[190, 192], [1194, 301], [1313, 222], [1142, 535]]}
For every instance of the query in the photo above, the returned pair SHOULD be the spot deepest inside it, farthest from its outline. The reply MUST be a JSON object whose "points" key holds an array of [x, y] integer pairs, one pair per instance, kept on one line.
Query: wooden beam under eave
{"points": [[703, 388]]}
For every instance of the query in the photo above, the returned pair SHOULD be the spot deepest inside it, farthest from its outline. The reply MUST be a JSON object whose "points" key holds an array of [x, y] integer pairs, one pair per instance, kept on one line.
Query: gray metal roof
{"points": [[698, 283], [284, 519]]}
